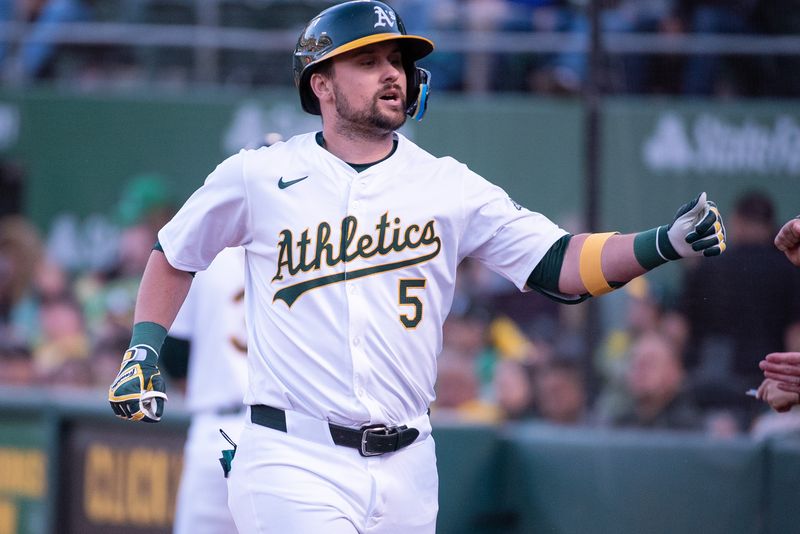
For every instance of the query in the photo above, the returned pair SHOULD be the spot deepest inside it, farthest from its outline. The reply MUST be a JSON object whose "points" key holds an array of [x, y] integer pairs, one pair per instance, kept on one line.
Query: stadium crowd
{"points": [[506, 357], [30, 58]]}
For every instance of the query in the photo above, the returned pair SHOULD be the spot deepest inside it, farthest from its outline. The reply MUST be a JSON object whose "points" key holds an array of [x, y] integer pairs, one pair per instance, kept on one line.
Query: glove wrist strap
{"points": [[149, 334], [653, 248]]}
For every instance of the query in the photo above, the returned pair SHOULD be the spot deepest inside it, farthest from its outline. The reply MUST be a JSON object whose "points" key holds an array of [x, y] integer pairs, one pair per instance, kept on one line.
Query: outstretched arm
{"points": [[597, 263]]}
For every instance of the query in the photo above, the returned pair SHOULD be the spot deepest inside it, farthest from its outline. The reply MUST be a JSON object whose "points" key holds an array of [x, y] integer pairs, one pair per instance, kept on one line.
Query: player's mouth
{"points": [[393, 97]]}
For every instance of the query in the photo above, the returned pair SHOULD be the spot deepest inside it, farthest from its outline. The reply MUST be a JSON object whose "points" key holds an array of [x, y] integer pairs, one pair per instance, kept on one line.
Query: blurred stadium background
{"points": [[613, 416]]}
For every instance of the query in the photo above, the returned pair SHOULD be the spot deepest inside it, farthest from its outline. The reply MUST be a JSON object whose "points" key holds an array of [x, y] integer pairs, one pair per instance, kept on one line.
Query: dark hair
{"points": [[756, 206]]}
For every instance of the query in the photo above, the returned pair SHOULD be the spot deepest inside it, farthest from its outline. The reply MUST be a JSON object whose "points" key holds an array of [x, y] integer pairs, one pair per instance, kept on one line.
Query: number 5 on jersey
{"points": [[411, 320]]}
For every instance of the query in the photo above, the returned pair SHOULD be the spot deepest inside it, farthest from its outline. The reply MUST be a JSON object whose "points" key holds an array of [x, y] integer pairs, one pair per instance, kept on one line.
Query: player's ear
{"points": [[322, 86]]}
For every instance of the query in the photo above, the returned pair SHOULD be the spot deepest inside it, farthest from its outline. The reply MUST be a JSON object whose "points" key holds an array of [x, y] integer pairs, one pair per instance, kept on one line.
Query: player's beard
{"points": [[367, 122]]}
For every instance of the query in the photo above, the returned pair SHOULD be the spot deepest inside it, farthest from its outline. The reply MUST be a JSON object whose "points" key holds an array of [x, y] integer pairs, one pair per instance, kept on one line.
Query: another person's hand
{"points": [[781, 401], [138, 392], [788, 240], [784, 368]]}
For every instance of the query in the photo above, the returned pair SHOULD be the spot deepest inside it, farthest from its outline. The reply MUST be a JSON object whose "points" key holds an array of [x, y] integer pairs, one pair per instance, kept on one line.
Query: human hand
{"points": [[698, 229], [138, 392], [784, 368], [781, 401], [788, 240]]}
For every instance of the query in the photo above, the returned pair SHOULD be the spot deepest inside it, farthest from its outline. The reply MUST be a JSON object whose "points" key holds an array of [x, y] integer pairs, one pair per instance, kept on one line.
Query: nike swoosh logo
{"points": [[284, 185]]}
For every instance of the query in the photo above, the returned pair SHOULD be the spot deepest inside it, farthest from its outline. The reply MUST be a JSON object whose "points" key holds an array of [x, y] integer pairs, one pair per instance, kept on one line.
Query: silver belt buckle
{"points": [[373, 430]]}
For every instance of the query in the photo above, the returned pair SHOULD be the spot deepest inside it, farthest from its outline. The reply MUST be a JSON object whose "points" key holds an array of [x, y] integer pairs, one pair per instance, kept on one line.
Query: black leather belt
{"points": [[371, 440]]}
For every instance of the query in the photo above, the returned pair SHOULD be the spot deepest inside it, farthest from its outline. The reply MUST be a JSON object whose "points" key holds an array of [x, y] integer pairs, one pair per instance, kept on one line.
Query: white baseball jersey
{"points": [[349, 276], [212, 318]]}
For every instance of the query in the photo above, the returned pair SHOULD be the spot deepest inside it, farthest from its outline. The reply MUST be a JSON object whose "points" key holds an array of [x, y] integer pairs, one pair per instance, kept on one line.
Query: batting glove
{"points": [[138, 392], [697, 229]]}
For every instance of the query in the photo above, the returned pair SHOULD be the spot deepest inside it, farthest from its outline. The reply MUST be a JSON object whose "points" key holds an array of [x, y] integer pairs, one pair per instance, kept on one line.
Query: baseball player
{"points": [[352, 237], [210, 327]]}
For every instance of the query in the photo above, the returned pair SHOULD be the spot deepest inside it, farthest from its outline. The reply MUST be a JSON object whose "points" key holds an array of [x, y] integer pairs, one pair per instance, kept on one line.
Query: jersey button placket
{"points": [[358, 316], [357, 352]]}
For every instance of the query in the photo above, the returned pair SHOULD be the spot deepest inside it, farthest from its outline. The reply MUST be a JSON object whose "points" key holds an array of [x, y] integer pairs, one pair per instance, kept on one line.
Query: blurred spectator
{"points": [[50, 280], [458, 396], [628, 73], [550, 73], [465, 335], [738, 307], [514, 390], [16, 365], [560, 392], [655, 381], [20, 253], [422, 17], [70, 374], [104, 361], [566, 72], [37, 53], [146, 200], [145, 205], [706, 74], [781, 72], [637, 309], [63, 337]]}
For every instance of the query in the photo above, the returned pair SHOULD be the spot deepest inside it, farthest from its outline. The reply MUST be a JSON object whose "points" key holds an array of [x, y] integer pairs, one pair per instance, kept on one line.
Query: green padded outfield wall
{"points": [[569, 480]]}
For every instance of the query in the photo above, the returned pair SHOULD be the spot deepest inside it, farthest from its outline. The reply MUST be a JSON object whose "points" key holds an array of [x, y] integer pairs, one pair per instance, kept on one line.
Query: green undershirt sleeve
{"points": [[547, 272]]}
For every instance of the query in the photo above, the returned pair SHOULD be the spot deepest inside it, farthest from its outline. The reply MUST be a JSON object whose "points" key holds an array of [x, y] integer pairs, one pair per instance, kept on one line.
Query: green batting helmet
{"points": [[351, 25]]}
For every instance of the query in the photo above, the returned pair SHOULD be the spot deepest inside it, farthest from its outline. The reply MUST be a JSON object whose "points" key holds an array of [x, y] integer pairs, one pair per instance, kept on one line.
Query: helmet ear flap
{"points": [[419, 89]]}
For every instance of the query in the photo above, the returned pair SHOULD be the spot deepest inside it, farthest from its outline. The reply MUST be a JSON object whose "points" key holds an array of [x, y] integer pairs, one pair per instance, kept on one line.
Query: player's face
{"points": [[369, 88]]}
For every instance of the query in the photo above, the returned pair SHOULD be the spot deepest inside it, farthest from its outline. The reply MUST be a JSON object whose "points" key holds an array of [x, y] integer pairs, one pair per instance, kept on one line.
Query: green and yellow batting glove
{"points": [[697, 230], [138, 392]]}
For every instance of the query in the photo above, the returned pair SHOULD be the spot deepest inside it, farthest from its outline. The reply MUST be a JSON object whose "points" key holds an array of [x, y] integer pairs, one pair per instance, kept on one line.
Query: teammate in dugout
{"points": [[352, 238]]}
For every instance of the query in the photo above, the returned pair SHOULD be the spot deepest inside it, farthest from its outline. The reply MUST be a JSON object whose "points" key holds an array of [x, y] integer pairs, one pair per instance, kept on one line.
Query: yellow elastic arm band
{"points": [[591, 270]]}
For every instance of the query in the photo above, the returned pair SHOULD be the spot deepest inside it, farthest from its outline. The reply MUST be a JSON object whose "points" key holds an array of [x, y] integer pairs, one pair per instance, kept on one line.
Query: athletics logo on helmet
{"points": [[352, 25], [384, 18]]}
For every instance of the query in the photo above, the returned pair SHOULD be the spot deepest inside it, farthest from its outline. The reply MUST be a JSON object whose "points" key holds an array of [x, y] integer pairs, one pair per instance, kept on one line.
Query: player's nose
{"points": [[392, 71]]}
